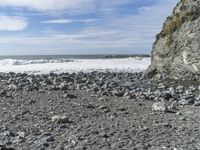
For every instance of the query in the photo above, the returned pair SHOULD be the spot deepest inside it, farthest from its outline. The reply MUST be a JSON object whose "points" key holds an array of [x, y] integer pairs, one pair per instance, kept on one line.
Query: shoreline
{"points": [[97, 110]]}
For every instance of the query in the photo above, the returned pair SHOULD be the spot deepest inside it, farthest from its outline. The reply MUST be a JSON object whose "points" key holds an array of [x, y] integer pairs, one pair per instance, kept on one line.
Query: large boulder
{"points": [[176, 51]]}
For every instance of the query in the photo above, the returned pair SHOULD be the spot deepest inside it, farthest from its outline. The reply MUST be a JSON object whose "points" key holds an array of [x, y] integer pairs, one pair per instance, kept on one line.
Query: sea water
{"points": [[76, 63]]}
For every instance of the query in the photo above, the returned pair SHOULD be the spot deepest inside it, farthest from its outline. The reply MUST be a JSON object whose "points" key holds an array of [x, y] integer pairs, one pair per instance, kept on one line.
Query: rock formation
{"points": [[176, 51]]}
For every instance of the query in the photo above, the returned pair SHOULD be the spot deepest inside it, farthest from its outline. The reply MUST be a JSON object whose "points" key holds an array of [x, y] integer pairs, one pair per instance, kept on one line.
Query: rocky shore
{"points": [[97, 111]]}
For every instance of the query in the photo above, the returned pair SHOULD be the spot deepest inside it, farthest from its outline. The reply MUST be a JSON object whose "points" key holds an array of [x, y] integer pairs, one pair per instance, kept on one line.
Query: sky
{"points": [[56, 27]]}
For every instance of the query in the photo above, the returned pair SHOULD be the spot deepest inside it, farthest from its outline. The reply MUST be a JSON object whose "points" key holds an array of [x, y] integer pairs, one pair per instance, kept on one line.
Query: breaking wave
{"points": [[28, 62], [45, 66]]}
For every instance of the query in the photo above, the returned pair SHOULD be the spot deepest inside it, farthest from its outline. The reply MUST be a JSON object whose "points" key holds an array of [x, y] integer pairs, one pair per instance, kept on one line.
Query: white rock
{"points": [[60, 119], [63, 86], [160, 106]]}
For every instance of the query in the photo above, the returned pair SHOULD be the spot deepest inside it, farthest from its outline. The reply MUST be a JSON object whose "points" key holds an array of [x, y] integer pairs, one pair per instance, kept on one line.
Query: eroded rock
{"points": [[176, 51]]}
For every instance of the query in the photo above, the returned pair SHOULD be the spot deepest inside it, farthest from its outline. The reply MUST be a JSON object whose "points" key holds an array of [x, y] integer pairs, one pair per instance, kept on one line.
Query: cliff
{"points": [[176, 51]]}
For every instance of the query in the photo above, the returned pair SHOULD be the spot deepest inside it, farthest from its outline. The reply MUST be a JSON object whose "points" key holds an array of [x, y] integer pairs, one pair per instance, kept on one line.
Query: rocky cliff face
{"points": [[176, 51]]}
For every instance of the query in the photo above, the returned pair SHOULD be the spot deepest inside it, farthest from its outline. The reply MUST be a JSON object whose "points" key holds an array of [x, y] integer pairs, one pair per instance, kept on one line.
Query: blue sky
{"points": [[41, 27]]}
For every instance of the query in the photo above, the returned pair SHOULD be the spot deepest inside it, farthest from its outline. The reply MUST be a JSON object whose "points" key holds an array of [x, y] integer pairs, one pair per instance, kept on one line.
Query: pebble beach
{"points": [[97, 110]]}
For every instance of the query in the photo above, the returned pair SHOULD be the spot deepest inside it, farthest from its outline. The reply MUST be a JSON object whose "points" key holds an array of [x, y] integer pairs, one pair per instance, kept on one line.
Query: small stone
{"points": [[197, 103], [3, 93], [90, 106], [60, 119], [43, 145], [13, 87], [49, 138], [161, 85], [63, 126], [21, 135], [179, 113], [8, 133], [7, 148], [67, 95], [117, 93], [3, 147], [166, 95], [103, 107], [127, 94], [122, 109], [160, 106], [42, 148], [183, 118], [198, 98], [102, 99], [63, 86], [180, 88], [186, 102], [104, 135], [60, 147], [46, 134]]}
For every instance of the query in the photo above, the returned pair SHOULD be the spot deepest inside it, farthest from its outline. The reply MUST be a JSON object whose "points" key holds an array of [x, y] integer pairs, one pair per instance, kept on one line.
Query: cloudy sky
{"points": [[40, 27]]}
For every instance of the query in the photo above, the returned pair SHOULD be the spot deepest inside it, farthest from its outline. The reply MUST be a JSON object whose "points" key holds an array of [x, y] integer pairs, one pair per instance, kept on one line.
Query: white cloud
{"points": [[114, 3], [50, 5], [73, 6], [129, 33], [86, 41], [144, 25], [68, 21], [9, 23]]}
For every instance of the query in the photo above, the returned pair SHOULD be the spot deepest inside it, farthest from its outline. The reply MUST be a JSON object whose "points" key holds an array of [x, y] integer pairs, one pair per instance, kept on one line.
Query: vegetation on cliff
{"points": [[176, 21]]}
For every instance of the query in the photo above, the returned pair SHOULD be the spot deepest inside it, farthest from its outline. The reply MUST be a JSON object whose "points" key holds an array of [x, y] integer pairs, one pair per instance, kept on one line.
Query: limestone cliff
{"points": [[176, 51]]}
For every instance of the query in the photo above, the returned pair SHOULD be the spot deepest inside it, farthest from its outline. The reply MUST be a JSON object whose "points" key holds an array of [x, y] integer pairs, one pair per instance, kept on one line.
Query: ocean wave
{"points": [[45, 66], [29, 62]]}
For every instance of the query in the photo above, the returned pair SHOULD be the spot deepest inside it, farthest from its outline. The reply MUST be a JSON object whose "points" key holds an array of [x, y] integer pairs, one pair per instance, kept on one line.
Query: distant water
{"points": [[73, 63]]}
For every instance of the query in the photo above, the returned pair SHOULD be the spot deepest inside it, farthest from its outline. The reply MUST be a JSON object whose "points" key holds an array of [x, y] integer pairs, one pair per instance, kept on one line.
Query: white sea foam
{"points": [[62, 65]]}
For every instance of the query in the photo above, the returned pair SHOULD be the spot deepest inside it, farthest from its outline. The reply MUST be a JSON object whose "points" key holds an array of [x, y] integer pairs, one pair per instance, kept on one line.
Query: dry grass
{"points": [[171, 27], [176, 22]]}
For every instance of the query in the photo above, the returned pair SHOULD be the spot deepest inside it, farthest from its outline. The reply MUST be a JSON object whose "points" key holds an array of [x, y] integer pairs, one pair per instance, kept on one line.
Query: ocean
{"points": [[73, 63]]}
